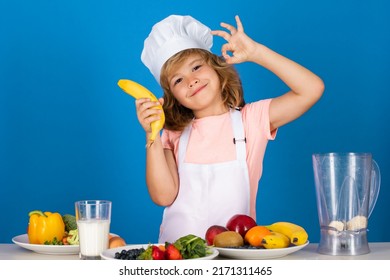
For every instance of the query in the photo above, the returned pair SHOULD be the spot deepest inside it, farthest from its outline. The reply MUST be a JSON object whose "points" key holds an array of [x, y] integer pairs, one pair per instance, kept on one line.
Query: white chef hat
{"points": [[170, 36]]}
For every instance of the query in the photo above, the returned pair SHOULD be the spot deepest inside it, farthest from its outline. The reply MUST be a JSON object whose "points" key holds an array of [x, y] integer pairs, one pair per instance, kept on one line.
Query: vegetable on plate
{"points": [[45, 227]]}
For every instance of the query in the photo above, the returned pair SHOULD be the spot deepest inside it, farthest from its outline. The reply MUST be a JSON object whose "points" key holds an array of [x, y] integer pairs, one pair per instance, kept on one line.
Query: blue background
{"points": [[67, 132]]}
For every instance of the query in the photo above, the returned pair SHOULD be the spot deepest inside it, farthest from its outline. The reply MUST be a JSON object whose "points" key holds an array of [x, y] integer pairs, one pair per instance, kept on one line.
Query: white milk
{"points": [[93, 236]]}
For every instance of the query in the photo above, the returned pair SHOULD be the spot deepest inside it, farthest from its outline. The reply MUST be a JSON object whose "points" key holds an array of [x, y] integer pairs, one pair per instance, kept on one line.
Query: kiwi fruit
{"points": [[228, 239]]}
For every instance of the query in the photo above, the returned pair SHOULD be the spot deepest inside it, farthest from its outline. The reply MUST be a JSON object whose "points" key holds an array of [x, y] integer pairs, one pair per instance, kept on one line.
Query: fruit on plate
{"points": [[212, 232], [45, 227], [131, 254], [254, 236], [240, 223], [157, 253], [275, 240], [116, 241], [186, 247], [228, 239], [280, 234], [296, 233], [172, 253], [138, 91]]}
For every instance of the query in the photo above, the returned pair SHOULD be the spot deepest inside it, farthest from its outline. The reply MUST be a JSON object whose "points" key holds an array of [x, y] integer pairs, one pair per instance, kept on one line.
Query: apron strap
{"points": [[239, 135], [183, 142]]}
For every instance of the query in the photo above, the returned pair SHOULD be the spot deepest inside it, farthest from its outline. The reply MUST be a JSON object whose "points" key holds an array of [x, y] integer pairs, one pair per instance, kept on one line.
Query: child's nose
{"points": [[193, 82]]}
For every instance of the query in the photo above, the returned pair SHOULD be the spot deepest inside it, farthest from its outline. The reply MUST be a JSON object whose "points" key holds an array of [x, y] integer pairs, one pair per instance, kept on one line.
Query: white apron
{"points": [[209, 194]]}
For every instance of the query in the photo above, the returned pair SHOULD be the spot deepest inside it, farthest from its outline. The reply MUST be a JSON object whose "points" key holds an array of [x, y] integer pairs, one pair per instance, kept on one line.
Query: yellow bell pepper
{"points": [[44, 227]]}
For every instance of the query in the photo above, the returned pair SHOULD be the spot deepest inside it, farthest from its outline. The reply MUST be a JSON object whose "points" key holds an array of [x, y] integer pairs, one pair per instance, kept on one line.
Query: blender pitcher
{"points": [[347, 187]]}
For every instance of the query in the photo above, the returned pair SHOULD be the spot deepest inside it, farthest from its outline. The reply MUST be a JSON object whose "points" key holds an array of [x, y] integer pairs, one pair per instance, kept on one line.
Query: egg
{"points": [[116, 241]]}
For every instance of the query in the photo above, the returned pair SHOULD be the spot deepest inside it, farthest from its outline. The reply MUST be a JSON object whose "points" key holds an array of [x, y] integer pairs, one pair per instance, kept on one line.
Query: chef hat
{"points": [[170, 36]]}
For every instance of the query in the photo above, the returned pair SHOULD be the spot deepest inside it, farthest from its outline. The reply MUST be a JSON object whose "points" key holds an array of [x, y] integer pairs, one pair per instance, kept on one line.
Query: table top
{"points": [[378, 251]]}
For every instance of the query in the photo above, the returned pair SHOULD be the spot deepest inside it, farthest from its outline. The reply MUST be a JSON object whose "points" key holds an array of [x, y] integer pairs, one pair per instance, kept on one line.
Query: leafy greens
{"points": [[191, 246]]}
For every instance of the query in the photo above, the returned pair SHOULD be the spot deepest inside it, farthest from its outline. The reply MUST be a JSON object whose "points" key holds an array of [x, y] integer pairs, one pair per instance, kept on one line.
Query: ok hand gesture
{"points": [[241, 47]]}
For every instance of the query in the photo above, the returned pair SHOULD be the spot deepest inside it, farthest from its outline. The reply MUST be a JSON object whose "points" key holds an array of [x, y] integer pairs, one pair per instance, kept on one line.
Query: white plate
{"points": [[110, 253], [22, 241], [258, 254]]}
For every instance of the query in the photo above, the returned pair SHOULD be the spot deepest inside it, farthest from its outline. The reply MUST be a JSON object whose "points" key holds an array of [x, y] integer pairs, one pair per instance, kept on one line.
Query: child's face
{"points": [[196, 85]]}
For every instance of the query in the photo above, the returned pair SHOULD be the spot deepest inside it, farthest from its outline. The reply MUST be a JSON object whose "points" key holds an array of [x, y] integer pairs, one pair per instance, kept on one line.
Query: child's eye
{"points": [[177, 81], [196, 67]]}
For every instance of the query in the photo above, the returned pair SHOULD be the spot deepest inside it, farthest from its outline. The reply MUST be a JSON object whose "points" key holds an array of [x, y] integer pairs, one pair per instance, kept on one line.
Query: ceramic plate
{"points": [[22, 241], [258, 254], [110, 253]]}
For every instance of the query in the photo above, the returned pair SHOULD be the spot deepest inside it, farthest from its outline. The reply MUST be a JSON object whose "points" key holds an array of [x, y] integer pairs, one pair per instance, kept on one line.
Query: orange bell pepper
{"points": [[44, 227]]}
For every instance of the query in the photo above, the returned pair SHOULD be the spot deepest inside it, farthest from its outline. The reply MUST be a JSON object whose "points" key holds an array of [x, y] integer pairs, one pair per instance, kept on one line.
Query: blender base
{"points": [[347, 243]]}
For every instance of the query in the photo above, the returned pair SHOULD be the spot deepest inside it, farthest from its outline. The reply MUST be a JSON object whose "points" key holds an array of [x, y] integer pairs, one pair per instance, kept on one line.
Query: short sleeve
{"points": [[170, 139], [256, 115]]}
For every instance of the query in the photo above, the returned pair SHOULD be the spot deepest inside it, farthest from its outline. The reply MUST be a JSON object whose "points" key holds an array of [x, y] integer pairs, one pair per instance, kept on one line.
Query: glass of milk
{"points": [[93, 223]]}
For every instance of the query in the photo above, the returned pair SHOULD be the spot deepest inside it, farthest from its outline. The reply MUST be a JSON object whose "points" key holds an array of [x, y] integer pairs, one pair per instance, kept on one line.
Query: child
{"points": [[207, 164]]}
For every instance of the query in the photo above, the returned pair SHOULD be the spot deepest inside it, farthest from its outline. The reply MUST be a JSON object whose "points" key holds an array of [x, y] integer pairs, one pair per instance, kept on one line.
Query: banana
{"points": [[275, 240], [138, 91], [296, 233]]}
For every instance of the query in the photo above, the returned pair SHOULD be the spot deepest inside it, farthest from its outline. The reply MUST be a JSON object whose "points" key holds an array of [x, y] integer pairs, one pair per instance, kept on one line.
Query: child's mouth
{"points": [[198, 90]]}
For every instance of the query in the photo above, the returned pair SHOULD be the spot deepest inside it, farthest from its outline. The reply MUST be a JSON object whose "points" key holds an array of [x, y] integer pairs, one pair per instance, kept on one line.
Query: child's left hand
{"points": [[238, 43]]}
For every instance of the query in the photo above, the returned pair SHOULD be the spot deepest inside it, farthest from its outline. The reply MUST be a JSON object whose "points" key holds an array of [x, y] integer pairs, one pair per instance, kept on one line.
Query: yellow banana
{"points": [[275, 240], [138, 91], [296, 233]]}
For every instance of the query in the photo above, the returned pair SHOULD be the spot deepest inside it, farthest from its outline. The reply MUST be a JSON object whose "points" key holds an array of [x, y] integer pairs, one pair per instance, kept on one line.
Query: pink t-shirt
{"points": [[211, 141]]}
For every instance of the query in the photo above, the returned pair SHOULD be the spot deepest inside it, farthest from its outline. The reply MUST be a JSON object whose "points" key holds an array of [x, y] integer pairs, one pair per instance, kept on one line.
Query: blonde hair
{"points": [[177, 117]]}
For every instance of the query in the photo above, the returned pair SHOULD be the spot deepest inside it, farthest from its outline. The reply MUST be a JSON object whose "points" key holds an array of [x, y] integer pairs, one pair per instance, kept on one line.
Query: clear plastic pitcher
{"points": [[347, 188]]}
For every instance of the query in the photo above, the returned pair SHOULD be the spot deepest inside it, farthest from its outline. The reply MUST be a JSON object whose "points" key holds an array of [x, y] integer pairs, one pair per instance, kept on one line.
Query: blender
{"points": [[347, 187]]}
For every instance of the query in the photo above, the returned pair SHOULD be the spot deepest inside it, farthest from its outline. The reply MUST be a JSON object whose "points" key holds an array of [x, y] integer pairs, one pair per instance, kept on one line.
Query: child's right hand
{"points": [[146, 113]]}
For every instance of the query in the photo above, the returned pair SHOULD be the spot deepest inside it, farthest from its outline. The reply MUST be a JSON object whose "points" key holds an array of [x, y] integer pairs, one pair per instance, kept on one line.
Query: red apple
{"points": [[212, 232], [240, 223]]}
